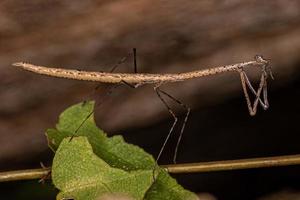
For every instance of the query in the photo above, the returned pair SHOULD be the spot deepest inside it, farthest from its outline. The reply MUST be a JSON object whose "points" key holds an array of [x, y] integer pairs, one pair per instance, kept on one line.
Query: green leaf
{"points": [[167, 188], [80, 174], [114, 151]]}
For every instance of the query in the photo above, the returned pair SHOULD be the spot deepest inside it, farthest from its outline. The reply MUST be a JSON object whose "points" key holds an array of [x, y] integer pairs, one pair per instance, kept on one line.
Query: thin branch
{"points": [[201, 167], [275, 161], [136, 78], [27, 174]]}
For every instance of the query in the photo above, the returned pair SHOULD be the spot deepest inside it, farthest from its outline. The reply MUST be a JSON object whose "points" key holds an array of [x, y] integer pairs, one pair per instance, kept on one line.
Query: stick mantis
{"points": [[136, 80]]}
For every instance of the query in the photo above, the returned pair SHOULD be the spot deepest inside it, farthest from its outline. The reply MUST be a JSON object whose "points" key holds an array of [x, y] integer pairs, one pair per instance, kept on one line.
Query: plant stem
{"points": [[27, 174], [226, 165], [275, 161]]}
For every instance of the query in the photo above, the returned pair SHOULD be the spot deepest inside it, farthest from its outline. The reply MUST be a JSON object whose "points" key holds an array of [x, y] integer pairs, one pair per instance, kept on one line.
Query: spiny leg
{"points": [[266, 71], [252, 109], [264, 103], [188, 110]]}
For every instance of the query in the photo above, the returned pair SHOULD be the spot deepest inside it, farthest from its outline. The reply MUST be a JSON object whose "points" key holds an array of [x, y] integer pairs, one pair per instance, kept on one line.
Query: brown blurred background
{"points": [[170, 36]]}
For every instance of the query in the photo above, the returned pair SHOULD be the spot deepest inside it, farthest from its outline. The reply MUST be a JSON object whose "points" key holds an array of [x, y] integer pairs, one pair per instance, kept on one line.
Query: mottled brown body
{"points": [[136, 80], [132, 78]]}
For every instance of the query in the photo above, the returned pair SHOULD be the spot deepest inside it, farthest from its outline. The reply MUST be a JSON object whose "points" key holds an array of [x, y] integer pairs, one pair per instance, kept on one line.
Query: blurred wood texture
{"points": [[170, 36]]}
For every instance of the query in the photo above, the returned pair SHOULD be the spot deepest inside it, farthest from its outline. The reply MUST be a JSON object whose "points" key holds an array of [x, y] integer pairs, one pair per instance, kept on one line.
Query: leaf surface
{"points": [[114, 151], [82, 175]]}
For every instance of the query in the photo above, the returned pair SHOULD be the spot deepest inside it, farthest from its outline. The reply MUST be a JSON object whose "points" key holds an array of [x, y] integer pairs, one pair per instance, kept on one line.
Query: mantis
{"points": [[136, 80]]}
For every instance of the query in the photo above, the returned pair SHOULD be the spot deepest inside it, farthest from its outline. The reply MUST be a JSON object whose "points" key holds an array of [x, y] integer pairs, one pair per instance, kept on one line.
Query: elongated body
{"points": [[137, 78]]}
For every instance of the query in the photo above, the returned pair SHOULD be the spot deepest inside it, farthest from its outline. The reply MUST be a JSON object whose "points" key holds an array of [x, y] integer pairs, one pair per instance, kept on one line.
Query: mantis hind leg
{"points": [[159, 93]]}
